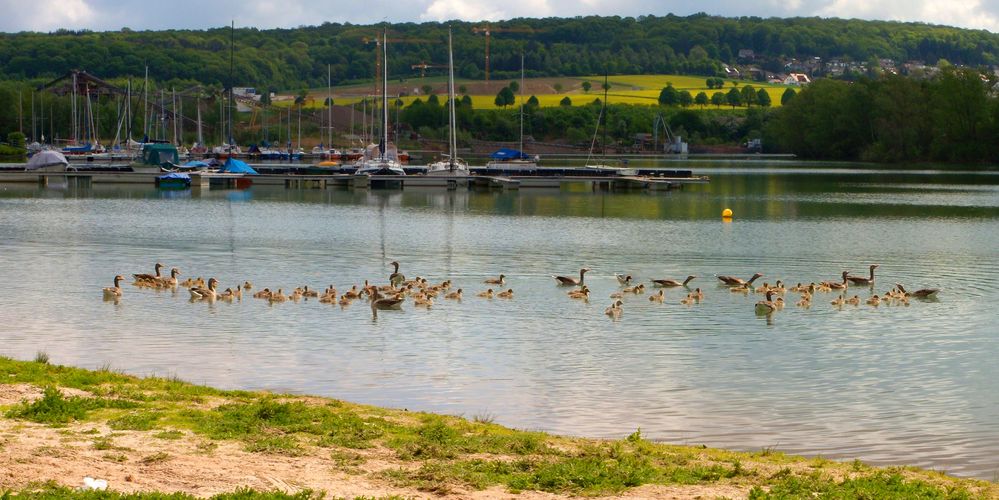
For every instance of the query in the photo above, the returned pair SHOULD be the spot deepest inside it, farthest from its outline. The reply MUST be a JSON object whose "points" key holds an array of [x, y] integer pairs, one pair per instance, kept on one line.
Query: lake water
{"points": [[888, 385]]}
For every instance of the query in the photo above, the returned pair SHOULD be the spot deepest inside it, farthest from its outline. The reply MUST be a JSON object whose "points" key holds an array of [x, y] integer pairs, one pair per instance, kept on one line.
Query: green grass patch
{"points": [[134, 421], [881, 485], [53, 491], [275, 445], [54, 408], [155, 458], [170, 435], [442, 438]]}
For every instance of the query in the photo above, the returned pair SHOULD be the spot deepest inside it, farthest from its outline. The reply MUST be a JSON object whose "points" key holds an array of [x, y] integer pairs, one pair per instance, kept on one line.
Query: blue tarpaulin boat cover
{"points": [[175, 175], [196, 164], [234, 166], [509, 154]]}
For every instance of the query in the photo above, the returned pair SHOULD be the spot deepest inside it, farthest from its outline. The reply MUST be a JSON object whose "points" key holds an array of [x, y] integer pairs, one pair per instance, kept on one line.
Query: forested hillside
{"points": [[297, 58]]}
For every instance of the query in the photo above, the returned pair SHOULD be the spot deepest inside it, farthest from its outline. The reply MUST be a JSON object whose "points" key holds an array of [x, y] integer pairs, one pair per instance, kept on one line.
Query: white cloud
{"points": [[46, 15], [964, 13], [484, 10]]}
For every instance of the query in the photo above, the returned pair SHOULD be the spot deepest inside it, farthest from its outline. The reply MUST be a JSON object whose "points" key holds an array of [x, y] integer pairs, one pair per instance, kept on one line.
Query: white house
{"points": [[799, 79]]}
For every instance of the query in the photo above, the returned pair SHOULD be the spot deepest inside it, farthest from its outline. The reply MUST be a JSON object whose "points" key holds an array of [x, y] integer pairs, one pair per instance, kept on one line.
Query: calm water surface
{"points": [[913, 385]]}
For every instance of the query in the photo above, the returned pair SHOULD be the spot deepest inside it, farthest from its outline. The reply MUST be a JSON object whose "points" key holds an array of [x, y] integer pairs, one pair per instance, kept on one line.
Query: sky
{"points": [[112, 15]]}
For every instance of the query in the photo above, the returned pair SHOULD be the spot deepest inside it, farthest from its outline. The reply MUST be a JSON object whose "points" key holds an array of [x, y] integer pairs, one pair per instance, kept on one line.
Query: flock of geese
{"points": [[423, 293]]}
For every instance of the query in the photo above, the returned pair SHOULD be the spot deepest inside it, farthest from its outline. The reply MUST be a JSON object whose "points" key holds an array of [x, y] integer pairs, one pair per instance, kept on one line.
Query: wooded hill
{"points": [[297, 58]]}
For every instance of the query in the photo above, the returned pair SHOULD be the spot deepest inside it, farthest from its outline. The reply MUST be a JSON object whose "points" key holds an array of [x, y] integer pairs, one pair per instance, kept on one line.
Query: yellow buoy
{"points": [[727, 213]]}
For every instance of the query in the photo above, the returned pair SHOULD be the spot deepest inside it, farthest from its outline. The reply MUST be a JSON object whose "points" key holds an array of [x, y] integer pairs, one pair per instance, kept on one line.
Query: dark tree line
{"points": [[296, 58], [953, 117]]}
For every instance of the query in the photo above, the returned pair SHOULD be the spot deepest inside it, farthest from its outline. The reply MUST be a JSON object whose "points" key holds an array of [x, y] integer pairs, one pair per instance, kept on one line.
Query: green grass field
{"points": [[624, 89]]}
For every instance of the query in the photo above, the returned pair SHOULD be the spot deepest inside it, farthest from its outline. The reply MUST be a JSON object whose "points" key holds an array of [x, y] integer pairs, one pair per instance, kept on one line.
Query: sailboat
{"points": [[382, 158], [453, 165], [601, 119], [509, 158]]}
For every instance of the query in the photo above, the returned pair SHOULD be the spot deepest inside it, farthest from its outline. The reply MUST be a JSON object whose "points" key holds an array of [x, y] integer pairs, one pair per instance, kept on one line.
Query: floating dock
{"points": [[304, 177]]}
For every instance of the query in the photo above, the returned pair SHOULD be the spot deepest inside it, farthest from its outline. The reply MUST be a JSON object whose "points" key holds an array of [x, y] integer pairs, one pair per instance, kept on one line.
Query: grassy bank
{"points": [[152, 436]]}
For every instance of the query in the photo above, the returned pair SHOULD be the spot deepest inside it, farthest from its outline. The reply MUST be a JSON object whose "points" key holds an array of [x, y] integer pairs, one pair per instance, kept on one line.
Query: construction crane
{"points": [[423, 67], [377, 40], [488, 31]]}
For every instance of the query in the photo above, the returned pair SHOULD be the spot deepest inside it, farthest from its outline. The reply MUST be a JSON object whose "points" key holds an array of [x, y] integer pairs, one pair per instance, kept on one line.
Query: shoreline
{"points": [[59, 424]]}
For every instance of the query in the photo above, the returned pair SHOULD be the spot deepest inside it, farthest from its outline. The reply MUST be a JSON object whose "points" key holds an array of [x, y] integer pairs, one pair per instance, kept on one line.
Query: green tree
{"points": [[686, 99], [718, 98], [16, 140], [466, 101], [533, 102], [787, 96], [710, 82], [514, 86], [504, 97], [701, 99], [734, 97], [669, 96], [427, 89], [558, 87], [748, 95], [462, 89], [763, 98], [605, 85], [587, 86], [565, 102]]}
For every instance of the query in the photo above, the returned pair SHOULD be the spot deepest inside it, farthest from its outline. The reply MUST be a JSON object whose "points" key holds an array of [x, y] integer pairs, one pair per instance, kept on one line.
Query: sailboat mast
{"points": [[329, 96], [453, 139], [522, 102], [145, 107], [201, 140], [384, 93], [232, 43], [603, 145]]}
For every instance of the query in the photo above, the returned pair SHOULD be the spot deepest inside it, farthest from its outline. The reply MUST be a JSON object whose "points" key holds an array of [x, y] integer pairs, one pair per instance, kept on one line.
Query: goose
{"points": [[455, 295], [921, 293], [278, 296], [204, 293], [616, 295], [114, 292], [385, 303], [353, 293], [508, 294], [567, 281], [582, 293], [761, 289], [805, 302], [779, 302], [496, 281], [856, 280], [309, 293], [238, 293], [855, 300], [396, 278], [875, 300], [614, 311], [263, 294], [766, 306], [488, 294], [799, 288], [189, 282], [623, 279], [667, 283], [657, 298], [295, 295], [247, 285], [839, 301], [698, 294], [423, 301], [170, 282], [637, 289], [688, 300], [733, 281], [147, 278], [744, 288], [837, 285], [344, 301], [778, 288], [226, 295]]}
